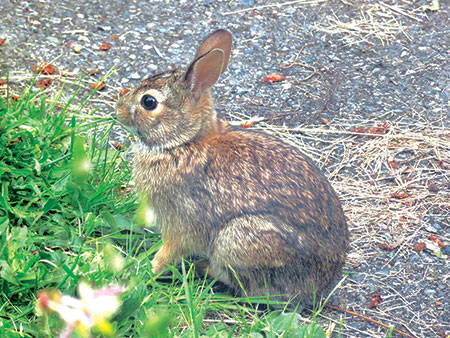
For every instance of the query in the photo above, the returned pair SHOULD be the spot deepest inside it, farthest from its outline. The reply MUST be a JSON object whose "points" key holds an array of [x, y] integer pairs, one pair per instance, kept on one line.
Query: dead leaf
{"points": [[2, 41], [376, 299], [393, 165], [114, 37], [400, 195], [380, 129], [124, 91], [247, 124], [44, 83], [105, 46], [325, 121], [98, 86], [2, 82], [274, 78], [44, 69], [420, 246], [385, 246], [360, 130], [436, 240]]}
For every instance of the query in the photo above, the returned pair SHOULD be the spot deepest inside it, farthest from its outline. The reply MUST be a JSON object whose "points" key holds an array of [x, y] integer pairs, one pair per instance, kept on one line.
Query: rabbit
{"points": [[260, 213]]}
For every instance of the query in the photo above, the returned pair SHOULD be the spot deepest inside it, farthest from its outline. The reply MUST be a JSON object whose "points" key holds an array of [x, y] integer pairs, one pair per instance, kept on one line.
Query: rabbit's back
{"points": [[231, 173]]}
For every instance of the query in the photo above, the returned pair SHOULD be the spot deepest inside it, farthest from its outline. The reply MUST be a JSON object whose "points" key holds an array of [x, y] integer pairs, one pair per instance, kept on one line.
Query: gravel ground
{"points": [[346, 63]]}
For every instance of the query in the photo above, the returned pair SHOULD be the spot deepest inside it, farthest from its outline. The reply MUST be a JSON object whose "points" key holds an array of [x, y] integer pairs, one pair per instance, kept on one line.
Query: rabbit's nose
{"points": [[125, 112]]}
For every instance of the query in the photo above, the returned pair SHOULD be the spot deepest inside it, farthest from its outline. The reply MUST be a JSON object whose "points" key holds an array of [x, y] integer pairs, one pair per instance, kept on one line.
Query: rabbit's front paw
{"points": [[169, 253], [157, 267]]}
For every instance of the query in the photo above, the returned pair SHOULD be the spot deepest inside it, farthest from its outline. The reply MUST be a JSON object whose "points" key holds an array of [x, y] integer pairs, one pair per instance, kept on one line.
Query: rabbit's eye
{"points": [[148, 102]]}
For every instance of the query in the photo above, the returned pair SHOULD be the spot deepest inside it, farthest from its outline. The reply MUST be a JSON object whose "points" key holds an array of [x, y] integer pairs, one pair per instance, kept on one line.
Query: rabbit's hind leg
{"points": [[204, 267], [250, 250]]}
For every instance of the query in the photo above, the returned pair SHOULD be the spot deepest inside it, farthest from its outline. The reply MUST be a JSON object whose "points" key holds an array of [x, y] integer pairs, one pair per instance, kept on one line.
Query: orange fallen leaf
{"points": [[385, 246], [2, 41], [393, 165], [376, 131], [124, 91], [274, 78], [360, 130], [436, 240], [380, 129], [44, 83], [400, 195], [247, 124], [420, 246], [437, 303], [2, 82], [105, 46], [376, 299], [44, 69], [325, 121], [114, 37], [98, 86]]}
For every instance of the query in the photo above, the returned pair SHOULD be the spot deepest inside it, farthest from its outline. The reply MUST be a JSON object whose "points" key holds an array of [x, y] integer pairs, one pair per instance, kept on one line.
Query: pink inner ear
{"points": [[220, 39], [206, 70]]}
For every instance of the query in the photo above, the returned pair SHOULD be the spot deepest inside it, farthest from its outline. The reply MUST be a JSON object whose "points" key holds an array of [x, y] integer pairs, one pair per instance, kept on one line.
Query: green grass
{"points": [[61, 223]]}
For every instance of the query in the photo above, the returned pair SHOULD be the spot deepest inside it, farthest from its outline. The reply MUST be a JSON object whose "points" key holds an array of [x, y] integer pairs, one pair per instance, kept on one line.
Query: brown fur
{"points": [[248, 202]]}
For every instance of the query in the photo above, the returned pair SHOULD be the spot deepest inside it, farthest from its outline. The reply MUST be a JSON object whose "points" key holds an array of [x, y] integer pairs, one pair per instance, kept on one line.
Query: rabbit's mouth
{"points": [[131, 129]]}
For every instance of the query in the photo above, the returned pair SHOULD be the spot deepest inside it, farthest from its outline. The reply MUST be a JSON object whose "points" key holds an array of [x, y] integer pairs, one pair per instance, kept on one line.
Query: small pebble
{"points": [[429, 292], [135, 76], [104, 28], [52, 39]]}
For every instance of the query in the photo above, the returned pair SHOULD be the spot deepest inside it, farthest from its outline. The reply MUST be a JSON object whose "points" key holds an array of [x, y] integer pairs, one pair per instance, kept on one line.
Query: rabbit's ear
{"points": [[204, 72], [220, 39]]}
